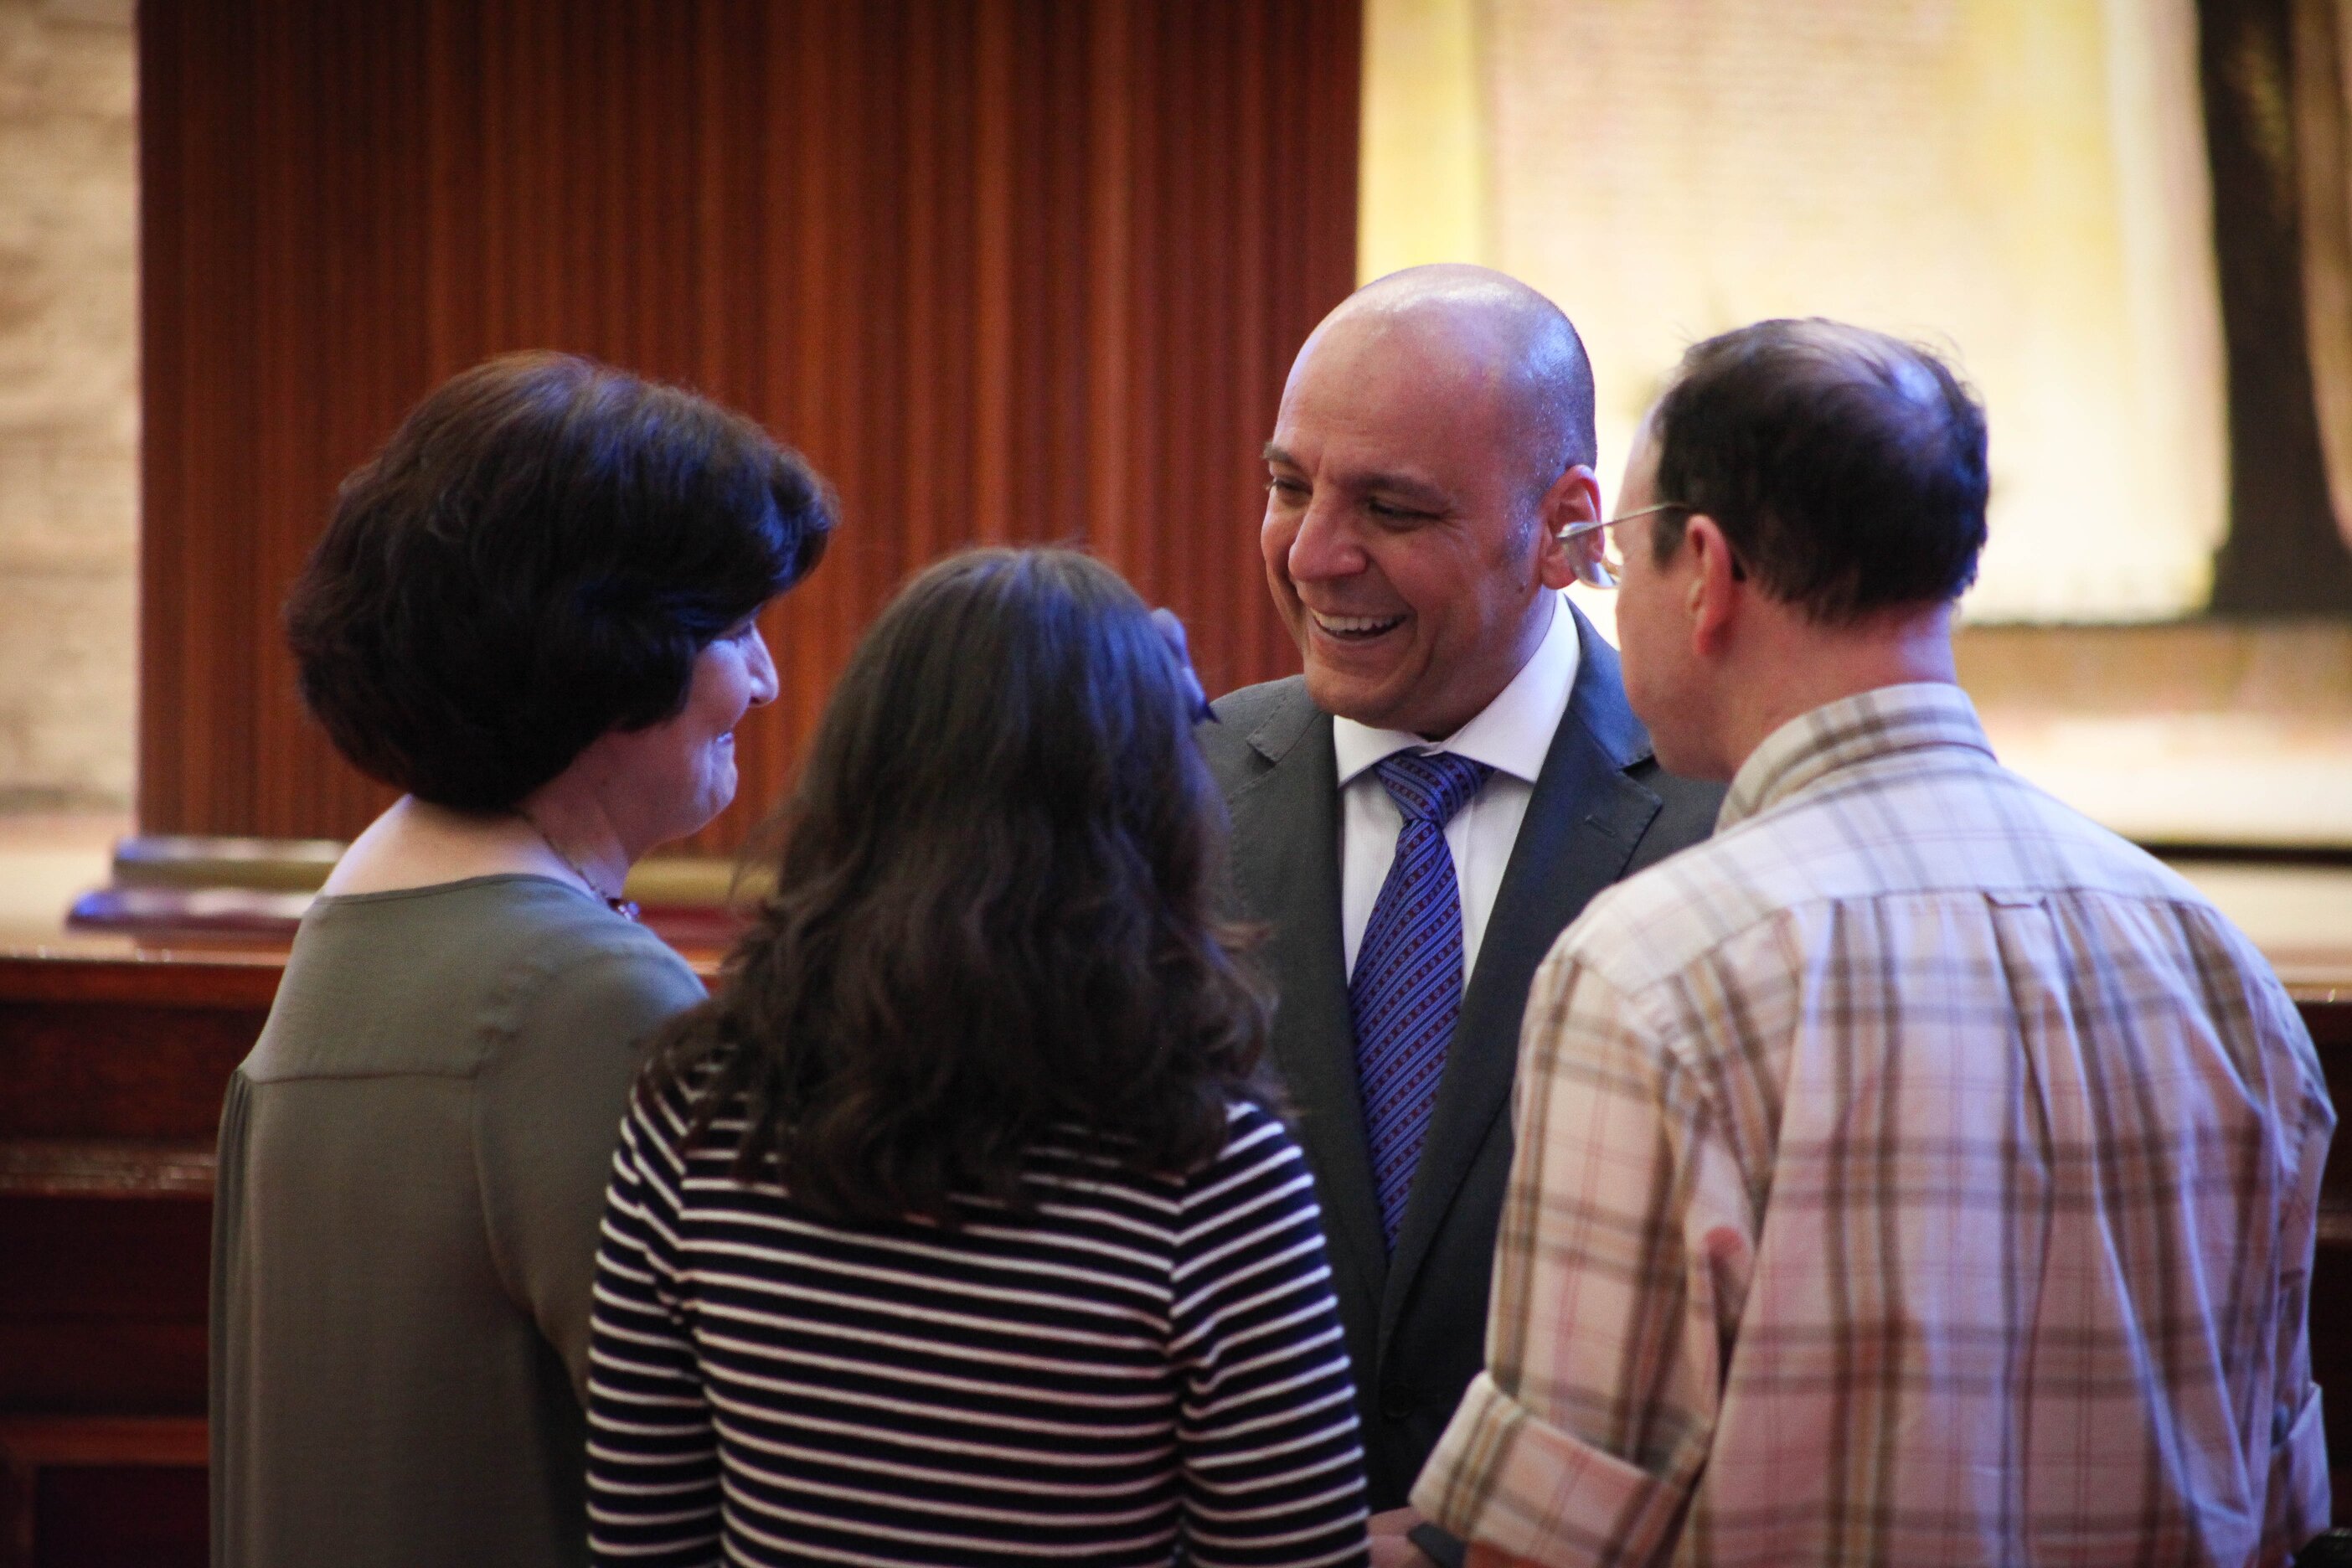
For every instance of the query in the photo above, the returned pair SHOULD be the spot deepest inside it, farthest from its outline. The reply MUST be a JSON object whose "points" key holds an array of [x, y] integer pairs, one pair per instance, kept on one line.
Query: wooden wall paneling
{"points": [[1053, 493], [197, 346], [1248, 355], [1191, 301], [98, 1509], [761, 163], [915, 376], [1018, 271], [1110, 129], [329, 197], [990, 494], [110, 1081], [1313, 205], [102, 1305], [793, 239], [94, 1050], [731, 311], [294, 217], [112, 1073]]}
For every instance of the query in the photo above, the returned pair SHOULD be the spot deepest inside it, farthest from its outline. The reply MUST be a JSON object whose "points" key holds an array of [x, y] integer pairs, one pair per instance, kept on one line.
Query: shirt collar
{"points": [[1851, 731], [1512, 734]]}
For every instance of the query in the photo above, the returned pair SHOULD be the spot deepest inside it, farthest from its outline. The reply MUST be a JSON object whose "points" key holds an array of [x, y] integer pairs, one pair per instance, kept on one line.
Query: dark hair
{"points": [[994, 918], [1845, 467], [535, 558]]}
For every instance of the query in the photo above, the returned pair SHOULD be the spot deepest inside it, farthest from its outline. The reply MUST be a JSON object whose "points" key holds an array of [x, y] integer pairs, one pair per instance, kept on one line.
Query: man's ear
{"points": [[1716, 587], [1574, 496]]}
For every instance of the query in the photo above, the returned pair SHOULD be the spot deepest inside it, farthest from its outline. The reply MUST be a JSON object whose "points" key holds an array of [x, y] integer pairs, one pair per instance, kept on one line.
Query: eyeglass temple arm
{"points": [[1595, 524]]}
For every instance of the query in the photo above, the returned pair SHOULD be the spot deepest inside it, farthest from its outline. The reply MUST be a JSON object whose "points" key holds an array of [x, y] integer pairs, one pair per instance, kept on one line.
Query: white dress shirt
{"points": [[1512, 734]]}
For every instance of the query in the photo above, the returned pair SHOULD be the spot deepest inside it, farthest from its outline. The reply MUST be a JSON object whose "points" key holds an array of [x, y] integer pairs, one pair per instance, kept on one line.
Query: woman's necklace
{"points": [[625, 907]]}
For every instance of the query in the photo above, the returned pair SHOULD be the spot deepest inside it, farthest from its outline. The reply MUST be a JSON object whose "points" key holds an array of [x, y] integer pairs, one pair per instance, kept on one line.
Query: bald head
{"points": [[1473, 324], [1434, 439]]}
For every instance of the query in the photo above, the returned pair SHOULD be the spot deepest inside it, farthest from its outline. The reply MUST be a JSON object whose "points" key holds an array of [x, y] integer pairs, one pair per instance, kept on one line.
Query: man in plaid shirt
{"points": [[1913, 1173]]}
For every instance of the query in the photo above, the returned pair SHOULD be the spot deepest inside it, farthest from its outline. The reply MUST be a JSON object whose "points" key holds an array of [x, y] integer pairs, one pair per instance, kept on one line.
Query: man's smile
{"points": [[1355, 628]]}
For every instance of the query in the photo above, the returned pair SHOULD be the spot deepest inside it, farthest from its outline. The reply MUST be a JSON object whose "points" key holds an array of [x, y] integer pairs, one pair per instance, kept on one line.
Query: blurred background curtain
{"points": [[2272, 78], [2323, 98]]}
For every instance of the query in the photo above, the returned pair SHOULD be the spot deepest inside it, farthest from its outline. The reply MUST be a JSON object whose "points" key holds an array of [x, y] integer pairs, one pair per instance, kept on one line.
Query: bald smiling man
{"points": [[1421, 812]]}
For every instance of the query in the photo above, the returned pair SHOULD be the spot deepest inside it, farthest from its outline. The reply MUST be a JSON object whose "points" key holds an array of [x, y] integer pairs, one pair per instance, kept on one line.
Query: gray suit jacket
{"points": [[1416, 1323]]}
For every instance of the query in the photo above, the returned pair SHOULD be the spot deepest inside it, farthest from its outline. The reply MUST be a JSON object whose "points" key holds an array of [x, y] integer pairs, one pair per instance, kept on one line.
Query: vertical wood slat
{"points": [[198, 349], [1016, 270]]}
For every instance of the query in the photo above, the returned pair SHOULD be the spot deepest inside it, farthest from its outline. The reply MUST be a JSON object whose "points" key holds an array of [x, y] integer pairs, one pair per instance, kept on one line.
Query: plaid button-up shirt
{"points": [[1912, 1174]]}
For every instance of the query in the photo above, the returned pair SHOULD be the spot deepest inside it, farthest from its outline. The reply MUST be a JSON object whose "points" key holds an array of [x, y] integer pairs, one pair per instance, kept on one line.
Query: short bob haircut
{"points": [[535, 558], [994, 917], [1845, 467]]}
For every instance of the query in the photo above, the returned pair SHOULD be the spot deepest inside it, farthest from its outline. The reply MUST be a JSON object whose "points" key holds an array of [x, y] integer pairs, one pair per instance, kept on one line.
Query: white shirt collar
{"points": [[1512, 734]]}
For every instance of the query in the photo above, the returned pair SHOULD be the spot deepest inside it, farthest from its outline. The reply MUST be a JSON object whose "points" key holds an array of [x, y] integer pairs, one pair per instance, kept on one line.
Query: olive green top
{"points": [[411, 1175]]}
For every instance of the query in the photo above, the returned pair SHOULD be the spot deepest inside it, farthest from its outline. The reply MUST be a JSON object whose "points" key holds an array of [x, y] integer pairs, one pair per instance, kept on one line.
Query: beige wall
{"points": [[68, 403], [2020, 180]]}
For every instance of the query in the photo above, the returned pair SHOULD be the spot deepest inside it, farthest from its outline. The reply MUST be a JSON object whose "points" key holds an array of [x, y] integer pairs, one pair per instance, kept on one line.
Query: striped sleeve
{"points": [[1273, 1467], [653, 1458]]}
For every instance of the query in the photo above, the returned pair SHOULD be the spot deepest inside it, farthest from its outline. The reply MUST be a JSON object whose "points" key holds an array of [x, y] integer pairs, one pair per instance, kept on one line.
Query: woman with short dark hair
{"points": [[957, 1227], [535, 613]]}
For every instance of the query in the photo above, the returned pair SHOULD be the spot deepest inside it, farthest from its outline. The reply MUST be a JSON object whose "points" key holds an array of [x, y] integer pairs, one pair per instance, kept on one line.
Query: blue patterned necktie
{"points": [[1407, 988]]}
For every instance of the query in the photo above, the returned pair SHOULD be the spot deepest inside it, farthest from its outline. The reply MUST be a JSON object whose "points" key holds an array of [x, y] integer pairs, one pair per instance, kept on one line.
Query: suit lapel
{"points": [[1286, 837], [1581, 827]]}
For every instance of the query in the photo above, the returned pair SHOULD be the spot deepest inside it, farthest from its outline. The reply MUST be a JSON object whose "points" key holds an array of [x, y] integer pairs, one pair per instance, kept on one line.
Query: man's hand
{"points": [[1389, 1548]]}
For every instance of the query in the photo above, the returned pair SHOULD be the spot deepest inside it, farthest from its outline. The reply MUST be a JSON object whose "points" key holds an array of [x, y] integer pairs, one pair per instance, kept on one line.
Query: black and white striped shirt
{"points": [[1141, 1360]]}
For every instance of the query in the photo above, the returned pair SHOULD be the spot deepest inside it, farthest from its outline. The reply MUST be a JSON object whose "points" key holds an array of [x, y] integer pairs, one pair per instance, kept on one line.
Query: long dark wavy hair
{"points": [[995, 913]]}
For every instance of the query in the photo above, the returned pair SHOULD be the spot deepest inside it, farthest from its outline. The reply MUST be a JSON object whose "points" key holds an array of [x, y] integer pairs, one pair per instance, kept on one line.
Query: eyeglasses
{"points": [[1603, 567]]}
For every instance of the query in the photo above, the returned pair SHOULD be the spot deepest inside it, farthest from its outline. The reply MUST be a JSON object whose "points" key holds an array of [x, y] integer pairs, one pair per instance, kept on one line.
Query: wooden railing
{"points": [[112, 1072]]}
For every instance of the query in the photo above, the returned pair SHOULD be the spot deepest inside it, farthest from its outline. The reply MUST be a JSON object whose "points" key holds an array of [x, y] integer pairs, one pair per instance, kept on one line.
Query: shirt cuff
{"points": [[1503, 1477]]}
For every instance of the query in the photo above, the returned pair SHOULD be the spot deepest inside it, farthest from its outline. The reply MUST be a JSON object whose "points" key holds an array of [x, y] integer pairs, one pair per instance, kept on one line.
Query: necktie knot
{"points": [[1430, 786]]}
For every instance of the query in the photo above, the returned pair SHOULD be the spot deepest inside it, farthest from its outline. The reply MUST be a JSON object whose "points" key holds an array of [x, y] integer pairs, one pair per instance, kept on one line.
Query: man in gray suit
{"points": [[1422, 811]]}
